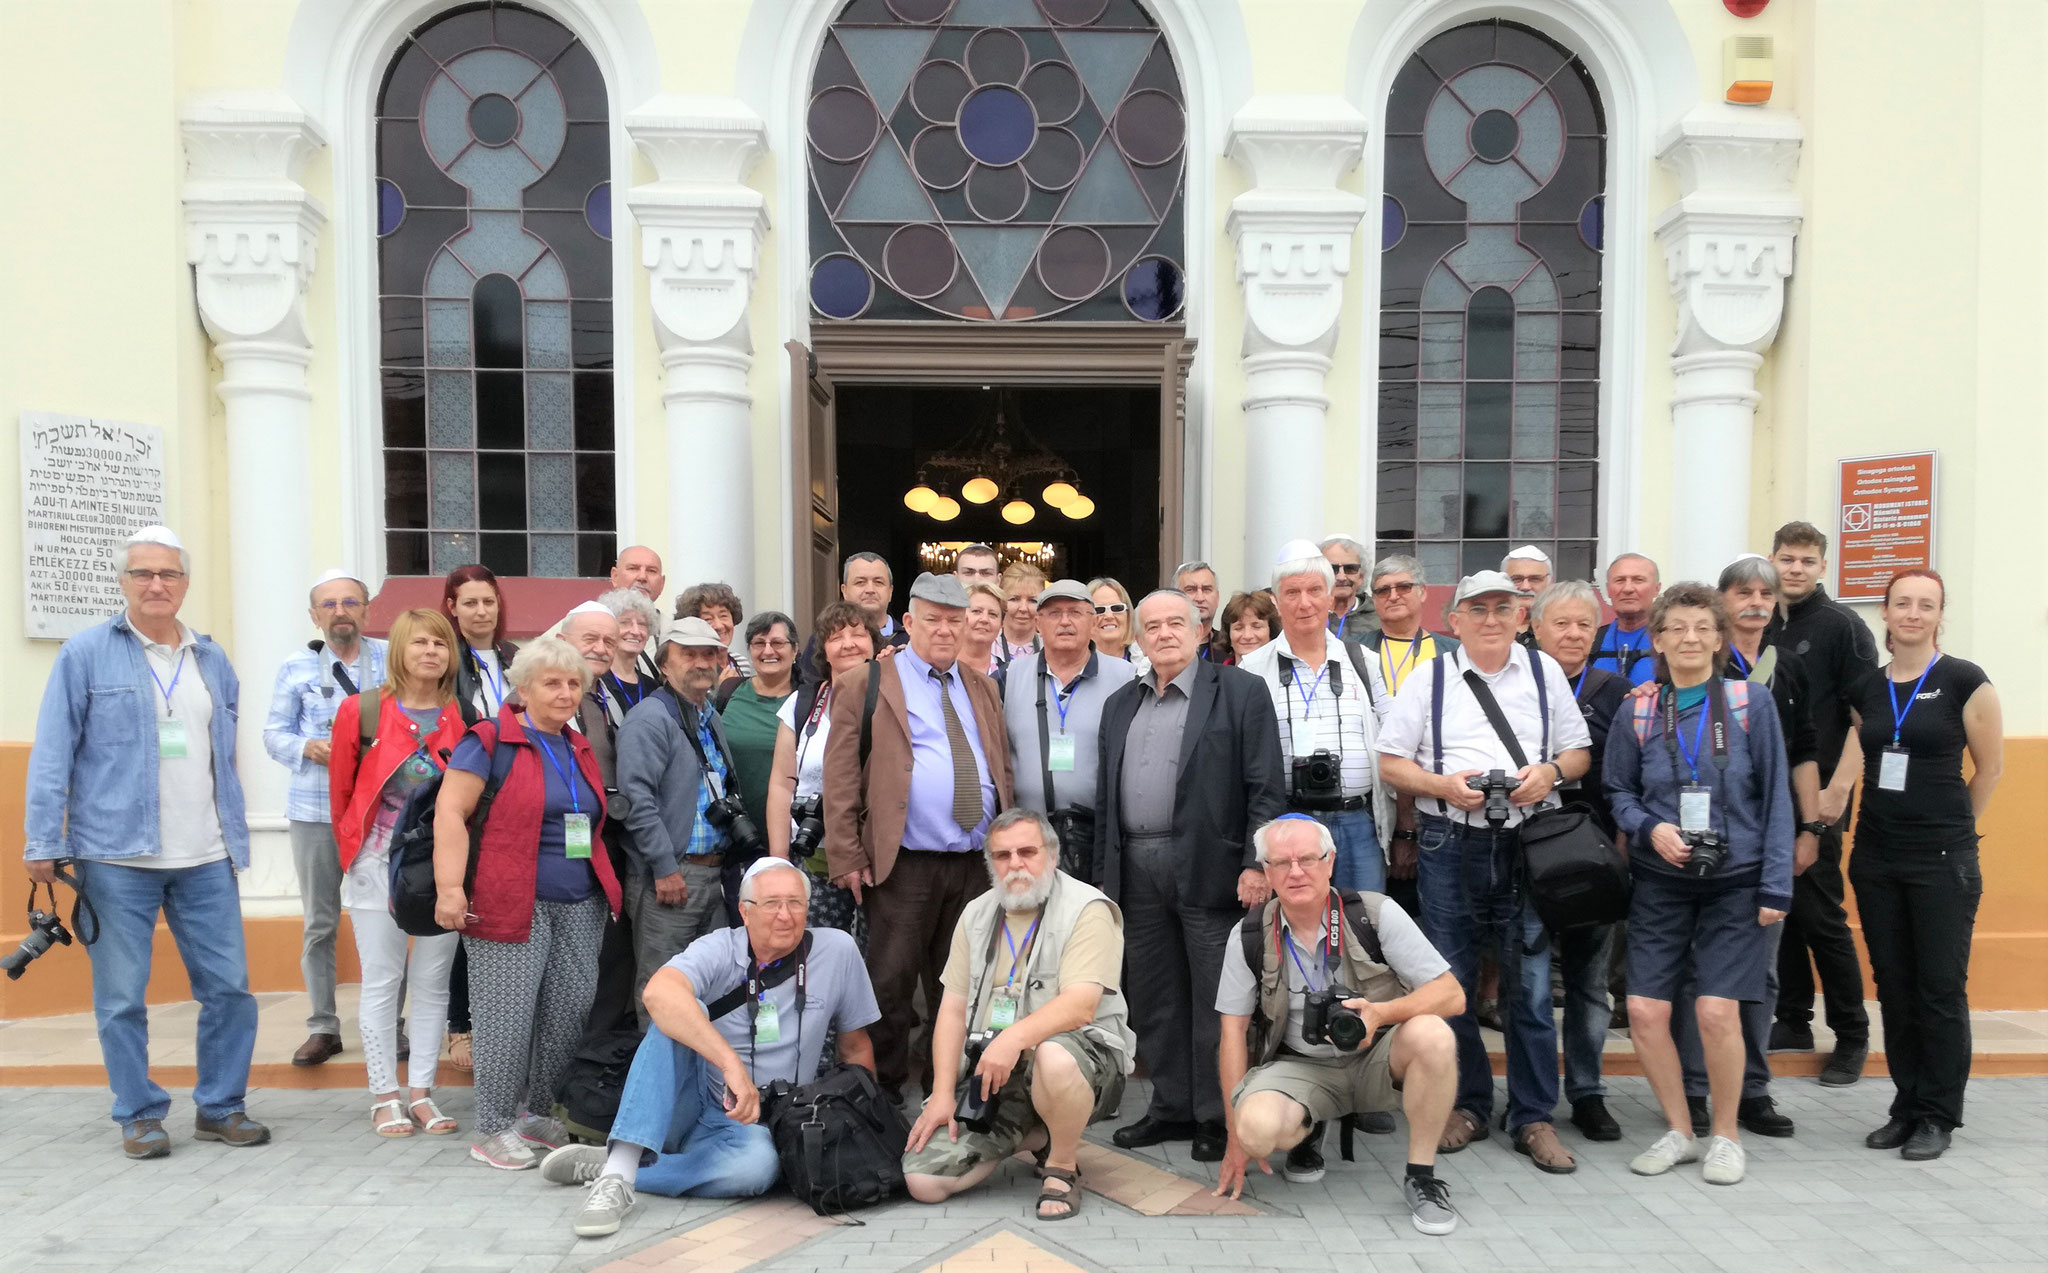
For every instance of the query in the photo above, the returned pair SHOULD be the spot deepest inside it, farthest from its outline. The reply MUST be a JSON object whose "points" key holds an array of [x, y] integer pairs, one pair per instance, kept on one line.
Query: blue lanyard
{"points": [[1342, 620], [1579, 686], [1062, 699], [1295, 951], [1308, 699], [1395, 671], [630, 698], [1742, 665], [1699, 733], [1892, 687], [495, 676], [568, 775], [1030, 934], [179, 671]]}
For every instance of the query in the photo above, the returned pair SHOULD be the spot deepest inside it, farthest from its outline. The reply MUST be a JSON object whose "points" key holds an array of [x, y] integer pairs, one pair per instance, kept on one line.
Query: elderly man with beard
{"points": [[1032, 1004]]}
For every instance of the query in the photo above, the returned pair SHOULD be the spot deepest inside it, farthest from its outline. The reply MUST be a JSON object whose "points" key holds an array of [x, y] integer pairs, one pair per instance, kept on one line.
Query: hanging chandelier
{"points": [[989, 463]]}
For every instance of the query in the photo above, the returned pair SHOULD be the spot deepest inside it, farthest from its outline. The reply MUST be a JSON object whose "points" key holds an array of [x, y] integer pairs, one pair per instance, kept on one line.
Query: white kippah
{"points": [[331, 576], [768, 864], [588, 607], [1528, 552], [1296, 550], [162, 536]]}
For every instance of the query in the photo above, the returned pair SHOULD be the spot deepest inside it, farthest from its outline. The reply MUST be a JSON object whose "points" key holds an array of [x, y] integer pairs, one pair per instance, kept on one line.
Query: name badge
{"points": [[1059, 753], [1695, 808], [170, 740], [767, 1024], [1891, 769], [1304, 738], [1002, 1012], [576, 835]]}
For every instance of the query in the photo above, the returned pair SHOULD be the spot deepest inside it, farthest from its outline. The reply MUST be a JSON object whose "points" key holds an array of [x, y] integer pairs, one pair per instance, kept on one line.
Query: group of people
{"points": [[1269, 848]]}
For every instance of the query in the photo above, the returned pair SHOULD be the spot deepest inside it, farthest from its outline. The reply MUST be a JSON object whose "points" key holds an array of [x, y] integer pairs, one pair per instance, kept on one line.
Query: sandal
{"points": [[459, 1051], [435, 1123], [1070, 1197], [397, 1127]]}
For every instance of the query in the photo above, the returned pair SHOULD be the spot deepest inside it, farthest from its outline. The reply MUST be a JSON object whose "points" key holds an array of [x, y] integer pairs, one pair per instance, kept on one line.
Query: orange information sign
{"points": [[1886, 524]]}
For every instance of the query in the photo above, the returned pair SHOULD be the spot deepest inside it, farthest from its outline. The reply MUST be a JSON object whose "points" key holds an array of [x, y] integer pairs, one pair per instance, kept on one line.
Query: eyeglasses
{"points": [[774, 644], [1394, 589], [1114, 607], [144, 576], [330, 607], [1349, 568], [779, 905], [1527, 583], [1503, 610], [1285, 866]]}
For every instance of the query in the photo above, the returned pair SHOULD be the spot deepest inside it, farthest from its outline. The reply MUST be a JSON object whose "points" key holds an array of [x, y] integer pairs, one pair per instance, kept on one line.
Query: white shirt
{"points": [[188, 819], [1470, 742], [491, 687], [1311, 710], [810, 743]]}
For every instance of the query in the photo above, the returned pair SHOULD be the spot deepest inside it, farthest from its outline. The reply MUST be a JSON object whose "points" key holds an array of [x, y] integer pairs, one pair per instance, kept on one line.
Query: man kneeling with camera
{"points": [[1341, 1000], [1034, 975]]}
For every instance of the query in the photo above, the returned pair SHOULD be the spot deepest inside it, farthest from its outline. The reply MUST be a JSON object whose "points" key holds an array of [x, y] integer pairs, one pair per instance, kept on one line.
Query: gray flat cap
{"points": [[1066, 590], [940, 590]]}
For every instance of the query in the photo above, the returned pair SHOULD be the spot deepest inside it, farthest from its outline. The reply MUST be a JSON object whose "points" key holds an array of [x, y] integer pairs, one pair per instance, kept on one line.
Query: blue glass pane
{"points": [[1591, 219], [1393, 223], [390, 207], [597, 209], [1152, 288], [996, 125], [840, 287]]}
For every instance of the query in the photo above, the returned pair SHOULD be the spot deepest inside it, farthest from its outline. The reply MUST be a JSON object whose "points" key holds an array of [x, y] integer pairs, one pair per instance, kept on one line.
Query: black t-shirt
{"points": [[1839, 652], [1791, 690], [1600, 694], [1934, 809]]}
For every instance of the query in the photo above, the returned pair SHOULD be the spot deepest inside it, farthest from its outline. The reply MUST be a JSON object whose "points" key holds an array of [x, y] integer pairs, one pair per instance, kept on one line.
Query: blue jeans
{"points": [[1587, 1011], [694, 1150], [1468, 881], [1360, 865], [204, 910]]}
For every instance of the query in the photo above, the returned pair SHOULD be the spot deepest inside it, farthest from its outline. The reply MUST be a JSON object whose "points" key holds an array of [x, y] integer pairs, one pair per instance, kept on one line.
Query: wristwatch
{"points": [[1816, 828], [1559, 771], [1404, 834]]}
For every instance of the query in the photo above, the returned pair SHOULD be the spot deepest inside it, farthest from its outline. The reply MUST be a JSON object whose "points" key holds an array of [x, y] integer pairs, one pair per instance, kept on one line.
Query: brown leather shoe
{"points": [[237, 1129], [1540, 1142], [317, 1049], [1460, 1130]]}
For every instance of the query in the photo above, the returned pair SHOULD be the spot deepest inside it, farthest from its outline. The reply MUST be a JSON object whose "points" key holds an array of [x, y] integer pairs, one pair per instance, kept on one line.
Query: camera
{"points": [[970, 1107], [1317, 781], [1709, 851], [741, 835], [809, 817], [1325, 1019], [1495, 784], [44, 931]]}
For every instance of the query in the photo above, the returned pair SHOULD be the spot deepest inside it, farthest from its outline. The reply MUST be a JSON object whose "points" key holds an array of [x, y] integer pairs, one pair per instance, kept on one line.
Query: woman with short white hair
{"points": [[633, 675], [530, 898]]}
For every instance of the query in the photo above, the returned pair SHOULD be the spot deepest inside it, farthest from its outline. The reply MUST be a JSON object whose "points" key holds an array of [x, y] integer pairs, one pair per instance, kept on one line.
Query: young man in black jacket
{"points": [[1837, 650]]}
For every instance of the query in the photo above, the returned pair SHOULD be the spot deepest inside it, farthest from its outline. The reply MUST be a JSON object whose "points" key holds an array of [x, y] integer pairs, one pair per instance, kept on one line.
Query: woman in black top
{"points": [[1915, 866]]}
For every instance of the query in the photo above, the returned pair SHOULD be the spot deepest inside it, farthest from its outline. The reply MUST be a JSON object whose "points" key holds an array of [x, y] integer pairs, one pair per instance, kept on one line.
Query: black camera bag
{"points": [[840, 1139]]}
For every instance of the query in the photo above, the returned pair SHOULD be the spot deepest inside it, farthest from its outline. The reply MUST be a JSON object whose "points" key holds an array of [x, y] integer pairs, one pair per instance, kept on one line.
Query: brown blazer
{"points": [[864, 813]]}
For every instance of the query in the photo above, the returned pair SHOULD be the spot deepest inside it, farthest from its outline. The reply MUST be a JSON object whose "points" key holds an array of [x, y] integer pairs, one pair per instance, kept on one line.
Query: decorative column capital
{"points": [[1728, 241], [251, 230], [1294, 227], [700, 225]]}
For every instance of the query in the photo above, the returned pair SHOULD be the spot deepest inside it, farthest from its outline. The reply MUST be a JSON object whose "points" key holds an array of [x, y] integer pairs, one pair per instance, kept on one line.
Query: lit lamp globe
{"points": [[1078, 507], [920, 498], [1018, 511], [1059, 494], [944, 509], [980, 490]]}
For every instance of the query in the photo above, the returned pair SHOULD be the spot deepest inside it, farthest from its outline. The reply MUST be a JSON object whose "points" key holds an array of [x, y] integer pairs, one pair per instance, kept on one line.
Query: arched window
{"points": [[494, 281], [996, 159], [1490, 303]]}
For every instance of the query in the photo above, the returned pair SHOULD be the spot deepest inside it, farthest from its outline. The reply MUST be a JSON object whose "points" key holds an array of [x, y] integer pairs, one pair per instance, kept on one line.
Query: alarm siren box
{"points": [[1747, 68]]}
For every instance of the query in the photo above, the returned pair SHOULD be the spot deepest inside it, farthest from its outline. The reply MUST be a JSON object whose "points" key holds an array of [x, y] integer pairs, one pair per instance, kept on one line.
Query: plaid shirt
{"points": [[302, 710], [705, 838]]}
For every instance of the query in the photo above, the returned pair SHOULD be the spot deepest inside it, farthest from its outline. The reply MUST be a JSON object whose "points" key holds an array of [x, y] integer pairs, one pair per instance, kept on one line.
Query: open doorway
{"points": [[1108, 435]]}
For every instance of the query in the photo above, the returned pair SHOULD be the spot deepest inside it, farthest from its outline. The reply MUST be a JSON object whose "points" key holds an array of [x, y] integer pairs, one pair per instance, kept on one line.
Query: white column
{"points": [[1728, 250], [1293, 231], [250, 236], [700, 239]]}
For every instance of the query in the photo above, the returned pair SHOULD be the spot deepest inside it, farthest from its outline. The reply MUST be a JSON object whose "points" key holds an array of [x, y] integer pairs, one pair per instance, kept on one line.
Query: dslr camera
{"points": [[44, 931], [1495, 784], [1709, 851], [1325, 1019], [970, 1107], [731, 817], [1317, 781], [809, 816]]}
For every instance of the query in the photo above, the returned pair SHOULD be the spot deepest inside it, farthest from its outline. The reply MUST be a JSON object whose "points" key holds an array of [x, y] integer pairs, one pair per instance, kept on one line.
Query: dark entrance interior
{"points": [[1109, 434]]}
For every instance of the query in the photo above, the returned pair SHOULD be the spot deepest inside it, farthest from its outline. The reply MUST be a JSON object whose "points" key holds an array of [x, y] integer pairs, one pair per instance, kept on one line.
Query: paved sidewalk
{"points": [[327, 1197]]}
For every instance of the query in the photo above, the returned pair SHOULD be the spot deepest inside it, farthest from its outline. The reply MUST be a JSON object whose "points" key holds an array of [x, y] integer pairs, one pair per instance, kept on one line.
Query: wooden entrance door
{"points": [[815, 478]]}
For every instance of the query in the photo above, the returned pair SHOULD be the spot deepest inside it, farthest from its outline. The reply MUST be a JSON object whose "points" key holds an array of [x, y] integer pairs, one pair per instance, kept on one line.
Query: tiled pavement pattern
{"points": [[327, 1197]]}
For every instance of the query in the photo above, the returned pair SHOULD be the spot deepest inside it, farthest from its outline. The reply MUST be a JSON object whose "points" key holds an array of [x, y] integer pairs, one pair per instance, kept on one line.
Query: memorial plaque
{"points": [[1886, 522], [86, 486]]}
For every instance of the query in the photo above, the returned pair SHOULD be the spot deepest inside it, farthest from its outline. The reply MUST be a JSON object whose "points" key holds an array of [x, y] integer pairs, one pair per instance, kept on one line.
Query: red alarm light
{"points": [[1745, 8]]}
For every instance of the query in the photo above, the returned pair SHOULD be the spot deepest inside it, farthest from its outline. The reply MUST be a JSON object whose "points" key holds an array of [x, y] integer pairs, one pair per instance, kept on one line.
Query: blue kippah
{"points": [[1295, 817]]}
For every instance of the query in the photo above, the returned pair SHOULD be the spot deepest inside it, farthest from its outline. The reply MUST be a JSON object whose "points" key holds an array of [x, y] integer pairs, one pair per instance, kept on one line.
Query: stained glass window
{"points": [[996, 159], [494, 269], [1489, 387]]}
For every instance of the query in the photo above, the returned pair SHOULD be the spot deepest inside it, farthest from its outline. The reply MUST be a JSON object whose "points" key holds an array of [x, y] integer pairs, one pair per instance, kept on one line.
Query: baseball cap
{"points": [[688, 632], [1065, 590], [1481, 582]]}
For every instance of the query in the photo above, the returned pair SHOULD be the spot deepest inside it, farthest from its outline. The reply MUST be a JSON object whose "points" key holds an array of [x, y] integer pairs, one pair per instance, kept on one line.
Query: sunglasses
{"points": [[1353, 568], [1114, 607], [1393, 590]]}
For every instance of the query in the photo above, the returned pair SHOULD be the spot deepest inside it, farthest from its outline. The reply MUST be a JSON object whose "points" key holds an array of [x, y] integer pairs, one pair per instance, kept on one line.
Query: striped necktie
{"points": [[966, 774]]}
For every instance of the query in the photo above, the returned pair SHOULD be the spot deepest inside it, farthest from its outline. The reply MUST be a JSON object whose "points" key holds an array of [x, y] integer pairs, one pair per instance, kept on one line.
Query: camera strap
{"points": [[1713, 723], [82, 906], [1330, 946], [759, 982], [1052, 801], [675, 702]]}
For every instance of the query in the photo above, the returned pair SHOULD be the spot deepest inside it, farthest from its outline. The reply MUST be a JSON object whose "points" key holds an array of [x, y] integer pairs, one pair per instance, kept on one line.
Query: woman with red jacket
{"points": [[533, 909], [417, 724]]}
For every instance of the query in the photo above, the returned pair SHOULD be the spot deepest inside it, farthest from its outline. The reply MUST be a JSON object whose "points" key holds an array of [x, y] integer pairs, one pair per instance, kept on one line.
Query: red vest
{"points": [[502, 898], [355, 780]]}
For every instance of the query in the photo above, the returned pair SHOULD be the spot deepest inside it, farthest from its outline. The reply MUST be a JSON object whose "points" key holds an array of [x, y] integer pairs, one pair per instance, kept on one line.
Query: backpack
{"points": [[413, 891], [1643, 709], [840, 1139], [587, 1095]]}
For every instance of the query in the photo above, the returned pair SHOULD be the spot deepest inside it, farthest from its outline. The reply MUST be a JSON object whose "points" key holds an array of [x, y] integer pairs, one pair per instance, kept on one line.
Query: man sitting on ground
{"points": [[1037, 961], [689, 1117], [1403, 1051]]}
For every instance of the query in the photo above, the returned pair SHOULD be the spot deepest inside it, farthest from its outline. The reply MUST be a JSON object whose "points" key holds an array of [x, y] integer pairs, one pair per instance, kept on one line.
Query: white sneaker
{"points": [[538, 1129], [1671, 1149], [605, 1210], [506, 1151], [1725, 1162], [573, 1164]]}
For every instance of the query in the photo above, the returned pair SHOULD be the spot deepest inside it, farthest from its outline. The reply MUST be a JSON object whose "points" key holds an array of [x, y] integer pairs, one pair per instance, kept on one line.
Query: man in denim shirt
{"points": [[310, 685], [133, 779]]}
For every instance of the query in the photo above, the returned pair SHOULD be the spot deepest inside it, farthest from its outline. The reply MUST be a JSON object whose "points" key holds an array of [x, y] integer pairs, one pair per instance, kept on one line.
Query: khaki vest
{"points": [[1358, 971], [1041, 973]]}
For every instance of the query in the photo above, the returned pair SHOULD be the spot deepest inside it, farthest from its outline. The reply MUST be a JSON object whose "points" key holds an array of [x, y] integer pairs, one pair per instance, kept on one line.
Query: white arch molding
{"points": [[1643, 66], [335, 59], [778, 50]]}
